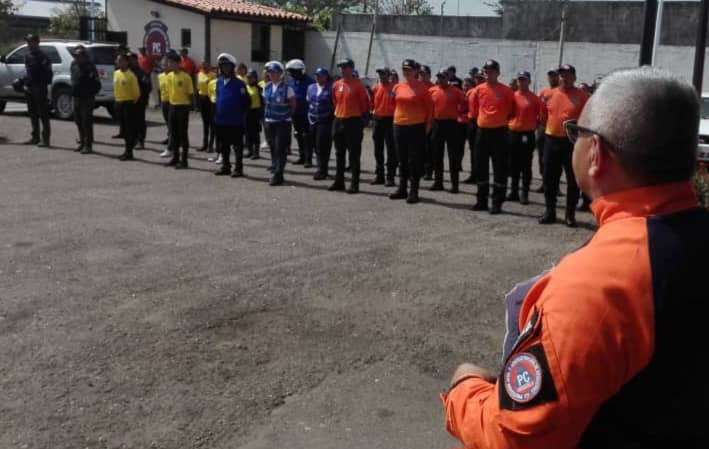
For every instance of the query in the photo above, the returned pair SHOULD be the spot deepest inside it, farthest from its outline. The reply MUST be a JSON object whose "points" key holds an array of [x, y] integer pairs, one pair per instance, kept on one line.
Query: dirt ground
{"points": [[144, 307]]}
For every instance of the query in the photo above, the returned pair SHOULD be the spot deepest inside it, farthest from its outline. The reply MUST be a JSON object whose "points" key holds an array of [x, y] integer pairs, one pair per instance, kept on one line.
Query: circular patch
{"points": [[523, 377]]}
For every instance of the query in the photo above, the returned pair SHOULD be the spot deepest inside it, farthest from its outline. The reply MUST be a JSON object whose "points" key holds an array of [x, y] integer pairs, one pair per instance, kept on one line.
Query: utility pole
{"points": [[701, 46], [371, 37], [658, 31], [648, 32], [562, 34]]}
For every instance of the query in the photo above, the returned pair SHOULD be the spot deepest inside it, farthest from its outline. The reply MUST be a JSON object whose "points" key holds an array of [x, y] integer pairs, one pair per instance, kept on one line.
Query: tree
{"points": [[405, 7], [7, 9], [319, 10], [65, 21]]}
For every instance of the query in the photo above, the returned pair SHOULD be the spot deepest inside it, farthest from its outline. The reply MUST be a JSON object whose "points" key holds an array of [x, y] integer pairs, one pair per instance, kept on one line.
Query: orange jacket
{"points": [[494, 105], [588, 329], [350, 98], [447, 102], [527, 112], [413, 103], [383, 100], [472, 111], [545, 93], [562, 105]]}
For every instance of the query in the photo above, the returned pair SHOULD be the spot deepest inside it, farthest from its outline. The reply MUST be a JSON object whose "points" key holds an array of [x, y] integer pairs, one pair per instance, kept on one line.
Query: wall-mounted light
{"points": [[155, 14]]}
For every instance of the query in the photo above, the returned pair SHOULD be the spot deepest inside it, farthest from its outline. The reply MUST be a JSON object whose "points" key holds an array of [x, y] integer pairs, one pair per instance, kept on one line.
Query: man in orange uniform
{"points": [[521, 148], [494, 104], [424, 76], [611, 352], [383, 133], [472, 123], [565, 103], [544, 94], [447, 101], [351, 110]]}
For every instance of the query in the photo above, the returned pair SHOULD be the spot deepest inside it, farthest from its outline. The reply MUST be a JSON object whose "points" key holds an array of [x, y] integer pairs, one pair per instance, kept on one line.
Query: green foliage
{"points": [[406, 7], [701, 185], [7, 9]]}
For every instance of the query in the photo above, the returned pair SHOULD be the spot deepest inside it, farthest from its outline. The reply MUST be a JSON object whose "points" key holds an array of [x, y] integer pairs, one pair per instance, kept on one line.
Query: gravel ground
{"points": [[144, 307]]}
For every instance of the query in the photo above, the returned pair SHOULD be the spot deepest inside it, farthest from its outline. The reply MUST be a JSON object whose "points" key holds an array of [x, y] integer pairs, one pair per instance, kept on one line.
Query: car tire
{"points": [[63, 103], [2, 106], [111, 110]]}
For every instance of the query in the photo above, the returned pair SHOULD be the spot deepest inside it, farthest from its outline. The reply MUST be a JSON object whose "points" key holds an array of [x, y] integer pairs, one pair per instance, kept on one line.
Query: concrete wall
{"points": [[538, 20], [231, 37], [591, 59]]}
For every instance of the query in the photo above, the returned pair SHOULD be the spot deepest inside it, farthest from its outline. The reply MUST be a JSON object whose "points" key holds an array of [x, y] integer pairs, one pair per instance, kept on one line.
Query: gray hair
{"points": [[650, 119]]}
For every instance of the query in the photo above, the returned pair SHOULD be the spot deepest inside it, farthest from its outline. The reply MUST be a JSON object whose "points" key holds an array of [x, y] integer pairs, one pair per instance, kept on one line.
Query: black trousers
{"points": [[491, 143], [140, 119], [471, 129], [540, 149], [84, 119], [321, 133], [38, 109], [165, 107], [347, 134], [278, 136], [446, 133], [127, 114], [557, 155], [231, 136], [206, 110], [383, 134], [253, 130], [301, 128], [179, 120], [410, 146], [521, 153]]}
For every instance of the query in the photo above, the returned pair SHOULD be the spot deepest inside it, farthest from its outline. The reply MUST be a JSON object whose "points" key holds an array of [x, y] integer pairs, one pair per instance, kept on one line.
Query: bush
{"points": [[701, 184]]}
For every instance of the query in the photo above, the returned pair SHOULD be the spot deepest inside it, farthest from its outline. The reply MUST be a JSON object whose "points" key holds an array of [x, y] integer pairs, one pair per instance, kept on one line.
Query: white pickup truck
{"points": [[703, 149]]}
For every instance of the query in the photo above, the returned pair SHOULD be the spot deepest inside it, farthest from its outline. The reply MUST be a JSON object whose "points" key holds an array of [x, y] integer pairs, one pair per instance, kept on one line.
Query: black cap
{"points": [[552, 71], [425, 68], [474, 71], [409, 64], [173, 56], [525, 75], [32, 38], [347, 62], [393, 72], [442, 72], [383, 70], [451, 68], [79, 50], [567, 68], [491, 64]]}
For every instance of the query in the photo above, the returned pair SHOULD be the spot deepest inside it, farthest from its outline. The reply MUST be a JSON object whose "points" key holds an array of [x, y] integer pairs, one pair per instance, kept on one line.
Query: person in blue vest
{"points": [[280, 102], [321, 112], [232, 104], [299, 81]]}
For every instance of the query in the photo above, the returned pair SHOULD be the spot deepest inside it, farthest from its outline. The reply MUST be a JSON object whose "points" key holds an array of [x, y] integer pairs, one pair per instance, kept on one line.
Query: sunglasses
{"points": [[574, 131]]}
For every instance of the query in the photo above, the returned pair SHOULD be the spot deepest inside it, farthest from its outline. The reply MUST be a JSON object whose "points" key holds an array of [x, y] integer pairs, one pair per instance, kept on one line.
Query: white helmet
{"points": [[295, 64], [228, 57]]}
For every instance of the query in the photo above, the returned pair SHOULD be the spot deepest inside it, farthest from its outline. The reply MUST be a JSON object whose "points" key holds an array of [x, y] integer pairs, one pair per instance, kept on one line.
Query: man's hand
{"points": [[468, 370]]}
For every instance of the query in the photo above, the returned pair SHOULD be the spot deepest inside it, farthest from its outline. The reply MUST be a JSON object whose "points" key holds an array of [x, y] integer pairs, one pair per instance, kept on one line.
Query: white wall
{"points": [[231, 37], [276, 43], [132, 15], [591, 60]]}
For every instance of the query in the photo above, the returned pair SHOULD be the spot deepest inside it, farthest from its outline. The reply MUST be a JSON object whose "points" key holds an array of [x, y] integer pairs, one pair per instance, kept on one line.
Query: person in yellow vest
{"points": [[163, 84], [241, 72], [204, 75], [181, 91], [126, 94], [254, 115]]}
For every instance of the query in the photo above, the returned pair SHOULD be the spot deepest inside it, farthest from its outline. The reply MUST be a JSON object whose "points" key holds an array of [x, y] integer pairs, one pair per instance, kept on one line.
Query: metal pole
{"points": [[562, 34], [334, 49], [648, 32], [700, 47], [658, 31], [371, 40]]}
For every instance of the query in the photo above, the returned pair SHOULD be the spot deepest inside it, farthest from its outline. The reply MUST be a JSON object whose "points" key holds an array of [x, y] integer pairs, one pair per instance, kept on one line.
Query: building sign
{"points": [[156, 40]]}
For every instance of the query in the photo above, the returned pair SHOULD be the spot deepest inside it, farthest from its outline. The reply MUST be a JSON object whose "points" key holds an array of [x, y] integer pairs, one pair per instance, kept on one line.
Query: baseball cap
{"points": [[474, 71], [409, 64], [383, 70], [552, 71], [442, 72], [451, 68], [32, 38], [525, 75], [347, 62], [491, 64], [321, 71], [80, 49], [567, 68], [425, 68], [252, 74]]}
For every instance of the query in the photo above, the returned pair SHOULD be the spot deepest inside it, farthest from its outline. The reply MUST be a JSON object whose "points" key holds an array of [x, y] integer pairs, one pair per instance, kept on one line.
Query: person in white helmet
{"points": [[299, 81], [280, 105]]}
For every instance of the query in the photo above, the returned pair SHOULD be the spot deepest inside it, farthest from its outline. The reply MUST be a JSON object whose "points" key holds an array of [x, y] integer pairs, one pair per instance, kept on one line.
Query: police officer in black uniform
{"points": [[454, 80], [145, 87], [85, 84], [36, 82]]}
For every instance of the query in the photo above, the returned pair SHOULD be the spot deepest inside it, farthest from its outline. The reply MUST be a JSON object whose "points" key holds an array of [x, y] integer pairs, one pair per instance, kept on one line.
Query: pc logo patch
{"points": [[523, 377]]}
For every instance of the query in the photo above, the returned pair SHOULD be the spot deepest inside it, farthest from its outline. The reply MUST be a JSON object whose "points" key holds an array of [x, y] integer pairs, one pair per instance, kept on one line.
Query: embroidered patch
{"points": [[523, 377]]}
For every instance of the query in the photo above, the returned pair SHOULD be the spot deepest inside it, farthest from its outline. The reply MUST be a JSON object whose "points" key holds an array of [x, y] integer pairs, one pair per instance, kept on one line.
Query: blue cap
{"points": [[321, 71]]}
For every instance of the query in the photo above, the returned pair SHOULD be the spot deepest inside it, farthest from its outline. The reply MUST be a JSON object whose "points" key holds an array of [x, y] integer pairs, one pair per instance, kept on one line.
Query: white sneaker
{"points": [[264, 145], [219, 160], [166, 153]]}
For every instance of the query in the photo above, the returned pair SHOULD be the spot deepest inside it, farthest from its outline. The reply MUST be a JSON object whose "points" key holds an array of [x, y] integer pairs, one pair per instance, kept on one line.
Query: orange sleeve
{"points": [[573, 358], [473, 105], [363, 99]]}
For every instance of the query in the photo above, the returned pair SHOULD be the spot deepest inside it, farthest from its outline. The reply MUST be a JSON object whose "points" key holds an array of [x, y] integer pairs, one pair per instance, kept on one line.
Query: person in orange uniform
{"points": [[351, 111], [565, 103], [204, 75], [425, 77], [608, 348], [494, 105], [471, 128], [412, 122], [544, 94], [445, 130], [383, 133], [521, 143]]}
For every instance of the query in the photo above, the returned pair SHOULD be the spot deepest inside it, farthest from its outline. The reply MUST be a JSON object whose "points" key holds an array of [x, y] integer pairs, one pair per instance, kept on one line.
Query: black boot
{"points": [[401, 193], [513, 195], [455, 176], [549, 216], [255, 152], [524, 197], [126, 156], [354, 183], [378, 180], [338, 185], [570, 219], [413, 197]]}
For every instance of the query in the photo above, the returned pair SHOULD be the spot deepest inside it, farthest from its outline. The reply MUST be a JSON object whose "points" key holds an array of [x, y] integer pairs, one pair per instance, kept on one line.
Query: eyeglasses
{"points": [[573, 131]]}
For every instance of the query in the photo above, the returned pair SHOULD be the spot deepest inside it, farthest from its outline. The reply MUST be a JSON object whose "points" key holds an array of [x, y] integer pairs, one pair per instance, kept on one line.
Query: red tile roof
{"points": [[238, 8]]}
